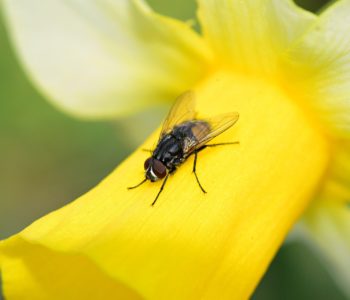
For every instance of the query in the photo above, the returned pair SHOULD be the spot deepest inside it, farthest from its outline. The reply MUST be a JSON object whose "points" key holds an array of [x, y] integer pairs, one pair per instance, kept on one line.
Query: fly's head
{"points": [[154, 169]]}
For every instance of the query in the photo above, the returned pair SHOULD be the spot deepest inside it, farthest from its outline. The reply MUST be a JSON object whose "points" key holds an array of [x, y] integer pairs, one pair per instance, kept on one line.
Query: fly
{"points": [[181, 136]]}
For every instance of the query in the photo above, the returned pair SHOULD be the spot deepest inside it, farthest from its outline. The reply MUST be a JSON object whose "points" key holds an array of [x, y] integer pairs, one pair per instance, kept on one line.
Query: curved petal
{"points": [[103, 58], [251, 35], [57, 275], [328, 227], [191, 245], [320, 65]]}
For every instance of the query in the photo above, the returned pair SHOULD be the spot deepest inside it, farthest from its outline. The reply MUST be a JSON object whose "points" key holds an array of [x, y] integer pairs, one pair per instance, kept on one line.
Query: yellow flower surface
{"points": [[189, 243], [266, 60]]}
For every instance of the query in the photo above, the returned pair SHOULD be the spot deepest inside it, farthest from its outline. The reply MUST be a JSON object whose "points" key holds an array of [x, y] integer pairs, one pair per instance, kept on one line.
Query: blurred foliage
{"points": [[180, 9], [48, 159], [297, 274], [312, 5]]}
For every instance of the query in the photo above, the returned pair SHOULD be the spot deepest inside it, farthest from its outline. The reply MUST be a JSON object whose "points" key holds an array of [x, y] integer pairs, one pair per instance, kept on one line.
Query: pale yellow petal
{"points": [[319, 68], [251, 35], [328, 227], [103, 58], [319, 62]]}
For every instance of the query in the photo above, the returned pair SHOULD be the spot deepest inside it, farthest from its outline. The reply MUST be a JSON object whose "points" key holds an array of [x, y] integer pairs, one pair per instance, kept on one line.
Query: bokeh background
{"points": [[48, 159]]}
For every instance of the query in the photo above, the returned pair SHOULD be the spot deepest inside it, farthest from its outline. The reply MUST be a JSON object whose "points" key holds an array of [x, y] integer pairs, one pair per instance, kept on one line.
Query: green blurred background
{"points": [[48, 159]]}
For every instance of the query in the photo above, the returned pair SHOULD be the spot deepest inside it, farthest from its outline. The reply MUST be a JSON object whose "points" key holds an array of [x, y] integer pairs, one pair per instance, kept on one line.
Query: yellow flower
{"points": [[286, 71]]}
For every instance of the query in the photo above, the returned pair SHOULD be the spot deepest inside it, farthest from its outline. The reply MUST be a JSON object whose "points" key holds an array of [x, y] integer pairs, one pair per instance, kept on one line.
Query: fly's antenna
{"points": [[134, 187]]}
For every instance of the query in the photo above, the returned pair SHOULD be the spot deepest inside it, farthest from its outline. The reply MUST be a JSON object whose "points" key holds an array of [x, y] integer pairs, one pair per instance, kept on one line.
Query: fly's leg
{"points": [[147, 150], [220, 144], [196, 154], [161, 188], [137, 185], [194, 170]]}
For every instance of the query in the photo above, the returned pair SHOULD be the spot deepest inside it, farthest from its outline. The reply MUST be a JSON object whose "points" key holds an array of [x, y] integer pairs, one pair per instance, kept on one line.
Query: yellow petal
{"points": [[191, 245], [337, 186], [328, 228], [103, 58], [251, 35], [82, 279]]}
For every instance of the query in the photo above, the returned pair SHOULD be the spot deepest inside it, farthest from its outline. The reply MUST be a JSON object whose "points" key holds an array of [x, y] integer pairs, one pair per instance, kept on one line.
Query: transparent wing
{"points": [[182, 110], [217, 125]]}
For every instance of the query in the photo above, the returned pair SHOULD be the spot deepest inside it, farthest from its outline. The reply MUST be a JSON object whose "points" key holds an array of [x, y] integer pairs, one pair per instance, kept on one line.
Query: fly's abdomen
{"points": [[200, 129], [192, 132]]}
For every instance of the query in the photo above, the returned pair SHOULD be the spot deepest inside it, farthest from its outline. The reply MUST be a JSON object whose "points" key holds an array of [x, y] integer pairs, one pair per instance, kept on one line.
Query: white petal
{"points": [[103, 58]]}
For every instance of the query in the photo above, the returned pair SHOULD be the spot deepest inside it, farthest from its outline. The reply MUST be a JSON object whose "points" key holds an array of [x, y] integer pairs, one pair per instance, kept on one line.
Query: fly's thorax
{"points": [[169, 149]]}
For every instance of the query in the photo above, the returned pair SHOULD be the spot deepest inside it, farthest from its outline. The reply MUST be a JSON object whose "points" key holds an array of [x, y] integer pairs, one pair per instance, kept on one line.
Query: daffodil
{"points": [[286, 71]]}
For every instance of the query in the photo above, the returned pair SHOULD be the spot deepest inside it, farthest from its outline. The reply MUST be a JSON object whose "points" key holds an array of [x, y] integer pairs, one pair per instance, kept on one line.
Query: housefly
{"points": [[182, 135]]}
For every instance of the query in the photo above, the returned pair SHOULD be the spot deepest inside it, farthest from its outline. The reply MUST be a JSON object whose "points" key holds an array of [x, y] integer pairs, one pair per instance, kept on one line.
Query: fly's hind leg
{"points": [[220, 144], [194, 170], [195, 159]]}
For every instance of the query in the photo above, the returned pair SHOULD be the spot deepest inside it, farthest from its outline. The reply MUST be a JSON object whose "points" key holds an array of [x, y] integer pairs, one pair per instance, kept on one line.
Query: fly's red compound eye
{"points": [[148, 162], [159, 169]]}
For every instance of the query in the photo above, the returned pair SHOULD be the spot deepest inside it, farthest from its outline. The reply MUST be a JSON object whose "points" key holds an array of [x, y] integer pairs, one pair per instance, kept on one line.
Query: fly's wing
{"points": [[217, 125], [182, 110]]}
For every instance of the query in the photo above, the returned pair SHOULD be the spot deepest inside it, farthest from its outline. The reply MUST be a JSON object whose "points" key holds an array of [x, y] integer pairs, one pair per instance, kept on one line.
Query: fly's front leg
{"points": [[161, 188], [194, 169]]}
